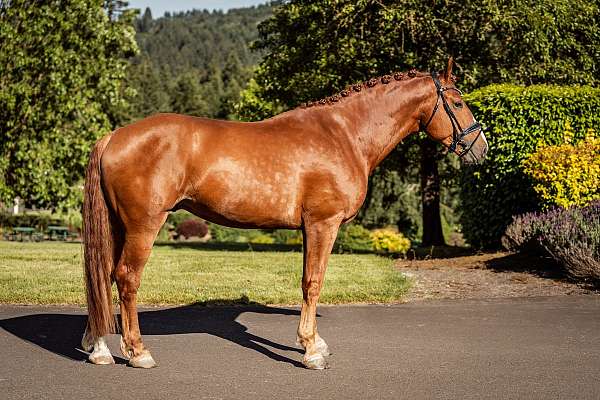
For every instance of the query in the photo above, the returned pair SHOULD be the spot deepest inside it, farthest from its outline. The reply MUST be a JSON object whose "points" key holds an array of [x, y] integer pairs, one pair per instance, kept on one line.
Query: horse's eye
{"points": [[458, 104]]}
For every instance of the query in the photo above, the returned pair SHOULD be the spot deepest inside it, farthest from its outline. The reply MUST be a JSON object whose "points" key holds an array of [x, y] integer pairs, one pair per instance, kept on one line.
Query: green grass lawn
{"points": [[51, 273]]}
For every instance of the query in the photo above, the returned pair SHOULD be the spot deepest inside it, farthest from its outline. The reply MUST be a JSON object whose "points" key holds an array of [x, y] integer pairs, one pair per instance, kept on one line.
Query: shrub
{"points": [[566, 174], [72, 218], [571, 236], [38, 220], [353, 237], [221, 233], [389, 241], [225, 234], [516, 119], [177, 217], [287, 236], [165, 233], [522, 233], [263, 238], [192, 227]]}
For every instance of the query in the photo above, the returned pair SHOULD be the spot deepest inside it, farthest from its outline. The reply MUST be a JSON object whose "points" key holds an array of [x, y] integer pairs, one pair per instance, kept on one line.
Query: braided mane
{"points": [[358, 87]]}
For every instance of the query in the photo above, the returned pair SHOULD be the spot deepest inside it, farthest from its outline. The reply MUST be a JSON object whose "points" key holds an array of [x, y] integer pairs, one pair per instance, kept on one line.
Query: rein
{"points": [[458, 134]]}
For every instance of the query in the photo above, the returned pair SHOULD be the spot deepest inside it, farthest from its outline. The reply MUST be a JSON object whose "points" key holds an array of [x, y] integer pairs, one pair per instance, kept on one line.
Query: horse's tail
{"points": [[97, 248]]}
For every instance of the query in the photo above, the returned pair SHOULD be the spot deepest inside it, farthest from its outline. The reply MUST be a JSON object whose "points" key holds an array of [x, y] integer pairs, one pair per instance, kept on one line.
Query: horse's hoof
{"points": [[322, 347], [144, 360], [101, 358], [316, 361]]}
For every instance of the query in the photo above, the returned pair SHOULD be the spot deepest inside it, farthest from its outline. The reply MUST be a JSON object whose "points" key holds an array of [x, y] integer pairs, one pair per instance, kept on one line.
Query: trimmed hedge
{"points": [[517, 119]]}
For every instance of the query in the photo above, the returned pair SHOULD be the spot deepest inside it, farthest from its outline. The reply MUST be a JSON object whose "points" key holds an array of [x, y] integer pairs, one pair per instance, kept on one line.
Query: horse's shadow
{"points": [[61, 333]]}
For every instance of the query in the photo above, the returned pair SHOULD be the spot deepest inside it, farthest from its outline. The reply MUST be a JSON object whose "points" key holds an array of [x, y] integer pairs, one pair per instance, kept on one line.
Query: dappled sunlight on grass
{"points": [[47, 273]]}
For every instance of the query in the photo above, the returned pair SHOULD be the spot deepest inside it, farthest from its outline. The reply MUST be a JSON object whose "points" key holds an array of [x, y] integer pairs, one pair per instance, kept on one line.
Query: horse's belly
{"points": [[240, 199]]}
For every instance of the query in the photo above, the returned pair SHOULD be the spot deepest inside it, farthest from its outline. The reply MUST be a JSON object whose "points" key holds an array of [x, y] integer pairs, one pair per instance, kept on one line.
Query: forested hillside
{"points": [[194, 62]]}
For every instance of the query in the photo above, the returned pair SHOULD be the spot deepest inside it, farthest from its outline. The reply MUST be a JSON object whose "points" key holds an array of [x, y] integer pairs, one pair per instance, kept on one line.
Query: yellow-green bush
{"points": [[389, 241], [296, 238], [262, 239], [566, 174]]}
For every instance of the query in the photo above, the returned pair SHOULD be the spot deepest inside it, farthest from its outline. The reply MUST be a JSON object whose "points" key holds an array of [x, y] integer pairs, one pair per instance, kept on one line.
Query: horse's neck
{"points": [[384, 117]]}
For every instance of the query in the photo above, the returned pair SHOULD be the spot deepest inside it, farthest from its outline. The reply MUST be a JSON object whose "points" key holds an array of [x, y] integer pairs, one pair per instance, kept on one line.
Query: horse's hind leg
{"points": [[128, 273], [99, 352], [319, 237]]}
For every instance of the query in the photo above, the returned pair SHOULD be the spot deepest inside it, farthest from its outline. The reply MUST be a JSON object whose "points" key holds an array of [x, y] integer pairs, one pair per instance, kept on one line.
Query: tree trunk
{"points": [[430, 195]]}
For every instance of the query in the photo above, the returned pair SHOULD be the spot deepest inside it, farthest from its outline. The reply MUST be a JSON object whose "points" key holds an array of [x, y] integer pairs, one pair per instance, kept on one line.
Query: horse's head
{"points": [[451, 122]]}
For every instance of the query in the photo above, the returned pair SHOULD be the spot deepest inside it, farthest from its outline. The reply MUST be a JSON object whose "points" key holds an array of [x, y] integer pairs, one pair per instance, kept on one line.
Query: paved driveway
{"points": [[533, 348]]}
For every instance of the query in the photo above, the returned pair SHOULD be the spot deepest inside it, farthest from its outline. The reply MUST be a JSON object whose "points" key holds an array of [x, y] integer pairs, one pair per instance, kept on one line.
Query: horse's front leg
{"points": [[319, 237]]}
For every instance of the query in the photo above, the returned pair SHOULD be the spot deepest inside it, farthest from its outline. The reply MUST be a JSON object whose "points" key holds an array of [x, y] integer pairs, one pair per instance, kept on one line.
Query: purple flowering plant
{"points": [[570, 235]]}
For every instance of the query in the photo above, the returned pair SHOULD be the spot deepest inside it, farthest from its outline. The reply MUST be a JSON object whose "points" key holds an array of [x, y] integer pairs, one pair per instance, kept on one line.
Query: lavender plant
{"points": [[571, 236]]}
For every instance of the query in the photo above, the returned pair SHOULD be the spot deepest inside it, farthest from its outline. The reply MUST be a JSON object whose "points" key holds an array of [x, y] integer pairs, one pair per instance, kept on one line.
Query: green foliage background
{"points": [[313, 49], [517, 120], [62, 64], [193, 62], [70, 72]]}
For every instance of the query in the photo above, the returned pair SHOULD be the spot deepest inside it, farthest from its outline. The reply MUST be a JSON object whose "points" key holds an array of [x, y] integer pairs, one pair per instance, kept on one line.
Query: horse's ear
{"points": [[448, 73]]}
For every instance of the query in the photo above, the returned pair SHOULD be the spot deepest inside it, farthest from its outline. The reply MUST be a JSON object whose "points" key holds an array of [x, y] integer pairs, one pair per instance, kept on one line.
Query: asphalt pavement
{"points": [[524, 348]]}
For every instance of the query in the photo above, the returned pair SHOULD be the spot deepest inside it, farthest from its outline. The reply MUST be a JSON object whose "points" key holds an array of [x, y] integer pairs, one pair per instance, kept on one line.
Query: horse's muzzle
{"points": [[476, 151]]}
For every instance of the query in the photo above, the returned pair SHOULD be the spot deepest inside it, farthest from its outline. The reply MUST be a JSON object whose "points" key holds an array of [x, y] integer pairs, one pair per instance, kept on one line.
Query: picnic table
{"points": [[21, 232], [53, 232], [58, 232]]}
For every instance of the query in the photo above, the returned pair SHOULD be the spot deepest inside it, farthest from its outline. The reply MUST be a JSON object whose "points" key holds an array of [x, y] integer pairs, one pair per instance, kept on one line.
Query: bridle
{"points": [[458, 134]]}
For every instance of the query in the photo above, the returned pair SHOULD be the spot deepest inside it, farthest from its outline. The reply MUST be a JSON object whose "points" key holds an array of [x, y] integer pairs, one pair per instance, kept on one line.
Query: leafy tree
{"points": [[116, 9], [201, 55], [234, 77], [144, 23], [187, 98], [62, 64], [313, 49], [150, 94]]}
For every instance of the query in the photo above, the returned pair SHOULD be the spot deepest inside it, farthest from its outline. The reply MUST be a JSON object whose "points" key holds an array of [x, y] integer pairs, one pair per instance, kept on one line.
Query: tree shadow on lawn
{"points": [[61, 333]]}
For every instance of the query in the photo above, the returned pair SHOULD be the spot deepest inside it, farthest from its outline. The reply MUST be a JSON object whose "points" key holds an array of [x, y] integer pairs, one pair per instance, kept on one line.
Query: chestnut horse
{"points": [[303, 169]]}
